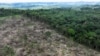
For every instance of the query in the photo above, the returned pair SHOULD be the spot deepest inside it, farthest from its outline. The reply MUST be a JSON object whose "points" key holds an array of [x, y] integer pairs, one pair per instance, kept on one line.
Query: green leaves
{"points": [[91, 34], [82, 26], [7, 50], [71, 31]]}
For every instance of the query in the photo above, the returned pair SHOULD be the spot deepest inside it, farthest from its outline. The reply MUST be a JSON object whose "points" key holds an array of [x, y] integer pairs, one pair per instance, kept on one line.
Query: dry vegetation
{"points": [[19, 36]]}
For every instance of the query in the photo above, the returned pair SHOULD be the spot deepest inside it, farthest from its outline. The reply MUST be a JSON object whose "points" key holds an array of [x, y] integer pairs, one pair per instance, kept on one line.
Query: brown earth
{"points": [[20, 36]]}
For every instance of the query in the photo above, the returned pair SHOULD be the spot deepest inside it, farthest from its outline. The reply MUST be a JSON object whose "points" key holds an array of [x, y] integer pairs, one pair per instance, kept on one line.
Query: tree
{"points": [[71, 31]]}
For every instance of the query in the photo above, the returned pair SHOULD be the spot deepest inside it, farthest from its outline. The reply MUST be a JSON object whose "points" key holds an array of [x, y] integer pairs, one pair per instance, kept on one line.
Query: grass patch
{"points": [[8, 51], [48, 34]]}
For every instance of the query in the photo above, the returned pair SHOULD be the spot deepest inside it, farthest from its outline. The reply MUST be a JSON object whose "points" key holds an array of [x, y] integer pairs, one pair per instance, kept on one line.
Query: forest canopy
{"points": [[82, 26]]}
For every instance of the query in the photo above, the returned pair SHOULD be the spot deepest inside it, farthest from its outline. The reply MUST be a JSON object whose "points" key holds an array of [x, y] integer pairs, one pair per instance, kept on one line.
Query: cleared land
{"points": [[20, 36]]}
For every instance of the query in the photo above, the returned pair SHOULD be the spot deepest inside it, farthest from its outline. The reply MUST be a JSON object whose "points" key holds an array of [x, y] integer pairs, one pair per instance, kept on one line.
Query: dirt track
{"points": [[19, 36]]}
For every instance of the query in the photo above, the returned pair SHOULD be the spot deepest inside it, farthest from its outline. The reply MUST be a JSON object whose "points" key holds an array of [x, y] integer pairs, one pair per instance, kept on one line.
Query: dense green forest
{"points": [[82, 26], [9, 12]]}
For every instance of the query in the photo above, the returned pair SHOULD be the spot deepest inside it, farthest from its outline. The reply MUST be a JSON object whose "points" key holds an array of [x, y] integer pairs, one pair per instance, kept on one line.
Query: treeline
{"points": [[82, 26], [8, 12]]}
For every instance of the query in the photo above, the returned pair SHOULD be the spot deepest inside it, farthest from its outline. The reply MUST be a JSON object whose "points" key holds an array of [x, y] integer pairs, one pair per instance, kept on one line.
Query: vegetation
{"points": [[24, 36], [7, 50], [48, 34], [80, 25], [9, 12]]}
